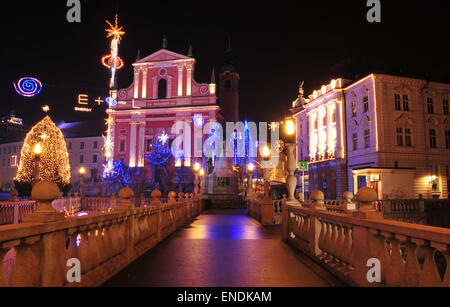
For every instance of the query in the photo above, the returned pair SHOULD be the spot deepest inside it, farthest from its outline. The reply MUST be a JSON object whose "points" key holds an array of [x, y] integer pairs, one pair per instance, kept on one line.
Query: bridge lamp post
{"points": [[202, 174], [37, 160], [82, 171], [291, 180], [196, 169], [250, 169], [266, 172]]}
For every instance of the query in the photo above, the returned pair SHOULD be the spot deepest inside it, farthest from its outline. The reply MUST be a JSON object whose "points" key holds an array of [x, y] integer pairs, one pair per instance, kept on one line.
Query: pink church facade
{"points": [[163, 92]]}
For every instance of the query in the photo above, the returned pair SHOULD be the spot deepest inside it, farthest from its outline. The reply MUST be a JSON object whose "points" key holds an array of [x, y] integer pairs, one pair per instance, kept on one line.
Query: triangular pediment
{"points": [[162, 56]]}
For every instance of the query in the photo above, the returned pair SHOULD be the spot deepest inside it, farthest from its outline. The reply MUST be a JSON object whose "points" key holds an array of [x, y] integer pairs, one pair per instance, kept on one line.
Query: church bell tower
{"points": [[229, 88]]}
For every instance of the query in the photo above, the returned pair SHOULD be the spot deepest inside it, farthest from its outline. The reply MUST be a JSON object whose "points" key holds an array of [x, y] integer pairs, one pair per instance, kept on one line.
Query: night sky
{"points": [[276, 44]]}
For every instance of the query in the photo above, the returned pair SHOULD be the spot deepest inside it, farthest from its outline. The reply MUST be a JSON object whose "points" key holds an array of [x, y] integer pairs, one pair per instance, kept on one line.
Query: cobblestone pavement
{"points": [[224, 248]]}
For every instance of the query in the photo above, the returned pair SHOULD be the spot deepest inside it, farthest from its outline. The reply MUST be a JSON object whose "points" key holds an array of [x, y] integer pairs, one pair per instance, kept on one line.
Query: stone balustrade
{"points": [[35, 253], [345, 242], [11, 212]]}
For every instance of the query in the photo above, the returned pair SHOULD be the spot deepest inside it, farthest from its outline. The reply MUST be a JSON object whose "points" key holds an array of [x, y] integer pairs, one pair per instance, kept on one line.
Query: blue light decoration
{"points": [[116, 171], [111, 102], [198, 120], [28, 87], [159, 154]]}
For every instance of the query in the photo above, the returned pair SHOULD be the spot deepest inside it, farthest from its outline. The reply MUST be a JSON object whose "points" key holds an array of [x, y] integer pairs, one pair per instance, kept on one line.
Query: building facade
{"points": [[388, 132], [164, 92]]}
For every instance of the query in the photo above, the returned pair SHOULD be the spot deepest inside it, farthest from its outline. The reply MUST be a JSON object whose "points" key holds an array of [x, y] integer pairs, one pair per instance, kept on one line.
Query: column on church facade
{"points": [[155, 87], [136, 83], [133, 144], [141, 144], [189, 68], [180, 80], [144, 83]]}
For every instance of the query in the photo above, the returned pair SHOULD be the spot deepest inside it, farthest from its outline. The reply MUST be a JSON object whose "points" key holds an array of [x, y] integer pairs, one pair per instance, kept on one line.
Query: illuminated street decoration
{"points": [[159, 154], [54, 159], [198, 120], [113, 62], [28, 87], [46, 109], [83, 99], [163, 138], [111, 102]]}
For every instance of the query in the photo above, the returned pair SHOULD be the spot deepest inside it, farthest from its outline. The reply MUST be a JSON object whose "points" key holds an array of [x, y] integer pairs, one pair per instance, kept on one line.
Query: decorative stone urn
{"points": [[125, 195], [318, 197], [44, 192], [366, 196]]}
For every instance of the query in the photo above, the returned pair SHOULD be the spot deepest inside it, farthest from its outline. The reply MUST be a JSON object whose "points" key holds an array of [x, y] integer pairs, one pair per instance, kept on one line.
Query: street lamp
{"points": [[266, 172], [202, 174], [291, 180], [82, 171], [37, 149]]}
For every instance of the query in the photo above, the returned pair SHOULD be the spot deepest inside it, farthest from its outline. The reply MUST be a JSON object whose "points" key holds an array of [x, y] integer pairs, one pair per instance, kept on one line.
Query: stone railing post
{"points": [[44, 192], [348, 206], [125, 196], [366, 196], [172, 200], [284, 219], [53, 264], [318, 200], [156, 194]]}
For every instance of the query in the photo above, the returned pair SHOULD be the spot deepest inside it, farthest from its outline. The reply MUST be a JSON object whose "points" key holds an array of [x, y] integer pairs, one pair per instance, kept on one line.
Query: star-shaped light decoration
{"points": [[44, 136], [115, 30], [163, 138], [273, 126], [46, 109]]}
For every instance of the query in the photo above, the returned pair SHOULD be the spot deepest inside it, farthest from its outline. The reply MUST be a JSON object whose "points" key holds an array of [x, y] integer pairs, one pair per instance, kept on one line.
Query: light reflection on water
{"points": [[230, 232]]}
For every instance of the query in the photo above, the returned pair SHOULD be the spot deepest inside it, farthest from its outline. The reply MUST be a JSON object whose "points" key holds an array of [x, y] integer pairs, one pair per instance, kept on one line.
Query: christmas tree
{"points": [[53, 159]]}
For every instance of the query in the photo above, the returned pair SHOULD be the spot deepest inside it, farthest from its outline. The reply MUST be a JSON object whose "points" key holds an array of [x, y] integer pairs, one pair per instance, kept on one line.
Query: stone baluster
{"points": [[393, 264], [429, 276], [411, 272]]}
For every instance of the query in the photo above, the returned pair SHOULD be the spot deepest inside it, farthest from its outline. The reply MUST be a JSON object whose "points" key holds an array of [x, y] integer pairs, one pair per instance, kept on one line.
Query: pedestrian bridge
{"points": [[224, 248], [176, 243]]}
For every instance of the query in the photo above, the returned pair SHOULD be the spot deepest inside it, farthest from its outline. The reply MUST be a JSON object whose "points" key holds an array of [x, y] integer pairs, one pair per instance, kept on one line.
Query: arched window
{"points": [[162, 89]]}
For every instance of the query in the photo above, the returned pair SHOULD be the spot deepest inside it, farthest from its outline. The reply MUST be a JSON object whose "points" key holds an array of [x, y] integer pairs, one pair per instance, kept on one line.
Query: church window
{"points": [[162, 89]]}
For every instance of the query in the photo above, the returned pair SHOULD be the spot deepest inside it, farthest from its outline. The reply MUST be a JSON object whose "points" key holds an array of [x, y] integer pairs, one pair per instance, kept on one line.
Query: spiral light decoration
{"points": [[28, 87]]}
